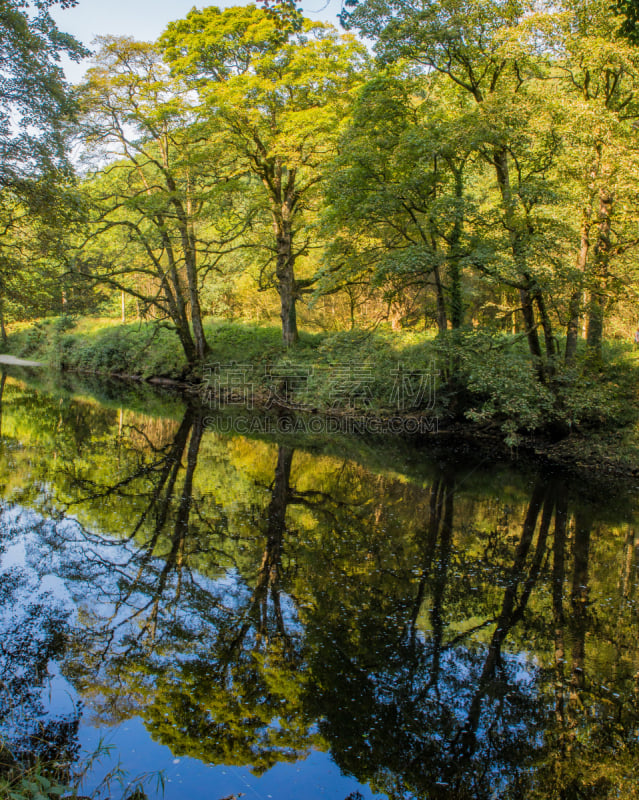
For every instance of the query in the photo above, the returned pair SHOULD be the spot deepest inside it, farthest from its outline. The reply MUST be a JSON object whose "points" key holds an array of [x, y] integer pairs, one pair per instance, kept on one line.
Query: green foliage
{"points": [[34, 98], [276, 95], [51, 781], [37, 202], [243, 343], [604, 397], [395, 199], [500, 383], [147, 350], [484, 378], [489, 379], [33, 785], [483, 170], [628, 11], [137, 350]]}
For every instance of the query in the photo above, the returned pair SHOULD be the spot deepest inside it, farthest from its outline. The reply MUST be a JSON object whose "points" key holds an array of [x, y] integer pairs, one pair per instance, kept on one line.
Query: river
{"points": [[294, 616]]}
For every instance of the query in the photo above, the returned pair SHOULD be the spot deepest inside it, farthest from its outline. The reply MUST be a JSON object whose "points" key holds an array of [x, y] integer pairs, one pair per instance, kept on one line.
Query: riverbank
{"points": [[467, 385]]}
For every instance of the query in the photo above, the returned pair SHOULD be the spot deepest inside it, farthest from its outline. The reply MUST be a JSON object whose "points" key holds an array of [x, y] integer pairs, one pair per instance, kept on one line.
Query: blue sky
{"points": [[146, 19]]}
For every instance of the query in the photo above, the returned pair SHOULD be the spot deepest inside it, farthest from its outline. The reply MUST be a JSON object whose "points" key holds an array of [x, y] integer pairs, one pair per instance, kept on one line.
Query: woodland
{"points": [[442, 182]]}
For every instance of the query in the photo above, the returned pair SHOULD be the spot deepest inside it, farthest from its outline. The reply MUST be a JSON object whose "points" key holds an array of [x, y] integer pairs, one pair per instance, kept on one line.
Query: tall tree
{"points": [[36, 106], [475, 48], [155, 202], [36, 234], [599, 80], [279, 95], [396, 202]]}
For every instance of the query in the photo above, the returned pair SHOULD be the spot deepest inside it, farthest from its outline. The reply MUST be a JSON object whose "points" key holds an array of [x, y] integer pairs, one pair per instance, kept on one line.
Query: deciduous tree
{"points": [[35, 101], [155, 202], [279, 96]]}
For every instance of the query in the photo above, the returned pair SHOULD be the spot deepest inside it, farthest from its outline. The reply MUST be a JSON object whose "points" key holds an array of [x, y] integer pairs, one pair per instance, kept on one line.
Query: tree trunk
{"points": [[3, 330], [528, 313], [596, 307], [201, 345], [574, 307], [442, 319], [596, 313], [174, 293], [351, 307], [280, 185], [549, 339], [454, 263], [518, 247], [186, 340], [286, 284], [190, 262]]}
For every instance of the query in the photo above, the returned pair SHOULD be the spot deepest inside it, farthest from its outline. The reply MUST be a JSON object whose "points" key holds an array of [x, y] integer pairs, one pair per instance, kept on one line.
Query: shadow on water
{"points": [[443, 632]]}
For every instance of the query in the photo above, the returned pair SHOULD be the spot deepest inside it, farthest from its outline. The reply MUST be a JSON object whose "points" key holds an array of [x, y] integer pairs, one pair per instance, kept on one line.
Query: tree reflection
{"points": [[212, 665], [425, 665], [454, 714], [444, 639]]}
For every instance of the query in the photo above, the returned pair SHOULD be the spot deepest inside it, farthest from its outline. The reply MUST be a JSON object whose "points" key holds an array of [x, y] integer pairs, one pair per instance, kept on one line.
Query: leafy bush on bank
{"points": [[493, 382]]}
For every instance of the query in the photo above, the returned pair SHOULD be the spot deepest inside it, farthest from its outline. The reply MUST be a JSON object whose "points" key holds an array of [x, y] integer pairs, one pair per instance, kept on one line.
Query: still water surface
{"points": [[308, 619]]}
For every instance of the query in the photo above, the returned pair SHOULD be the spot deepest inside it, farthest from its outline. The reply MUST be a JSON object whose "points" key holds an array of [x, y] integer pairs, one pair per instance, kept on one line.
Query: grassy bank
{"points": [[464, 379], [353, 370]]}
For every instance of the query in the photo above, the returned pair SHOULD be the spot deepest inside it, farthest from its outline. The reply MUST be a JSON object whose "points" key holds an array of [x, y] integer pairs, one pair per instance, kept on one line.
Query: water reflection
{"points": [[441, 633], [33, 624]]}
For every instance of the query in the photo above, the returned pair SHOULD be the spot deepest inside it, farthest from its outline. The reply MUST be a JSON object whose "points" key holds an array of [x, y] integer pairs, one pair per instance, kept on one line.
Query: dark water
{"points": [[327, 618]]}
